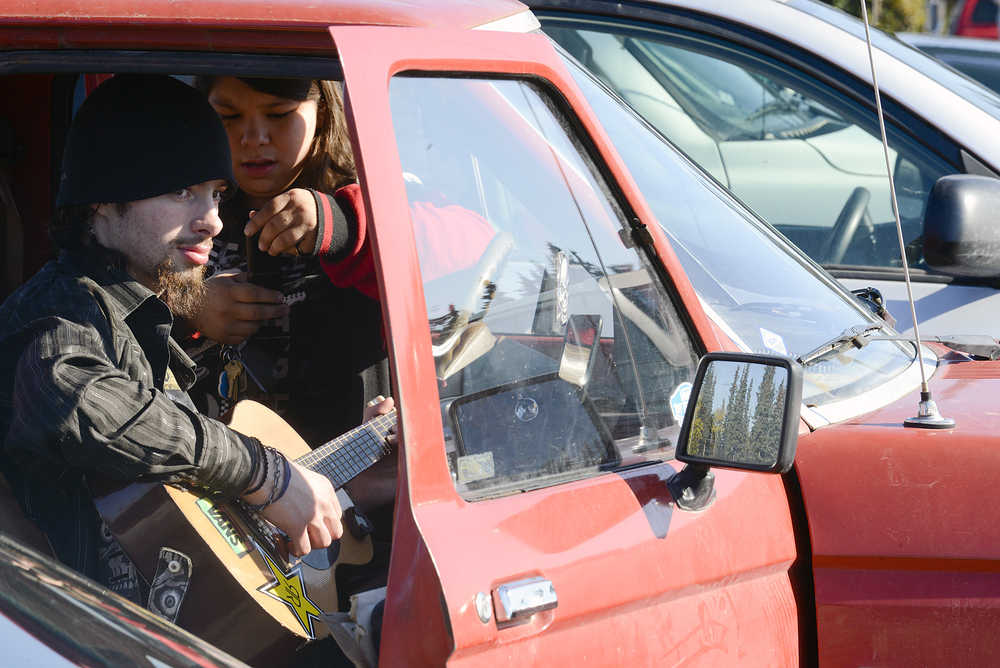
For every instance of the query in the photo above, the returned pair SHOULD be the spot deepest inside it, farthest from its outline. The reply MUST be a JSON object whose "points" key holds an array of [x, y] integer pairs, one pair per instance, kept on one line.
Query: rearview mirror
{"points": [[961, 237], [583, 334], [743, 413]]}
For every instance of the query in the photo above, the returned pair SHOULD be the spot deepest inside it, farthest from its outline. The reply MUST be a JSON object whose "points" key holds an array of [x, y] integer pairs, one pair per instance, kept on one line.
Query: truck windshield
{"points": [[764, 293]]}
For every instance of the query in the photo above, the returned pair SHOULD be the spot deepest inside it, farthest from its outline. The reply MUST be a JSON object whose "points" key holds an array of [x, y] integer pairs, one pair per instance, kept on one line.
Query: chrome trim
{"points": [[522, 598]]}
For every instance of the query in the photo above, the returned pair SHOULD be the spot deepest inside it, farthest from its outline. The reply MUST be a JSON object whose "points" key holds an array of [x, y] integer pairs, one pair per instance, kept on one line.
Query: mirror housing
{"points": [[725, 423], [961, 235]]}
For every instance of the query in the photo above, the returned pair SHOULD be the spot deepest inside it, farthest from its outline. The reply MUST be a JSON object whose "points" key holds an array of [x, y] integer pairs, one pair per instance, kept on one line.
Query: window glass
{"points": [[766, 295], [803, 157], [983, 66], [558, 352], [985, 11]]}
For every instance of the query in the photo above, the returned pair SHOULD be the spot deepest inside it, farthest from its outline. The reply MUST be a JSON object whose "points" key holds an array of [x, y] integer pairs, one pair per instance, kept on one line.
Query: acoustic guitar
{"points": [[245, 594]]}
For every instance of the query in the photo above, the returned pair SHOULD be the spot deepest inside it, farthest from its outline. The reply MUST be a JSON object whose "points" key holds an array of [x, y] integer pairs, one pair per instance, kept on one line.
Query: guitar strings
{"points": [[340, 463], [322, 451]]}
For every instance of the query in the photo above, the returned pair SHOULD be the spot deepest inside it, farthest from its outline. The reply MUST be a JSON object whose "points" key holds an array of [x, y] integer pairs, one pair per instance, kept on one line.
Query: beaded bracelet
{"points": [[288, 479], [281, 479], [278, 477]]}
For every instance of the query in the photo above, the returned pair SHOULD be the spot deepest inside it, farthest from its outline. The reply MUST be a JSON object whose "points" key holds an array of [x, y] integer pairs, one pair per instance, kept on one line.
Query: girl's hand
{"points": [[235, 309], [376, 486], [378, 406], [287, 224]]}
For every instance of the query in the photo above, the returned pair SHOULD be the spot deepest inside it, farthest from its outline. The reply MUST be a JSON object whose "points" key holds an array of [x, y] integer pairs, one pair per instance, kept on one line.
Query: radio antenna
{"points": [[928, 416]]}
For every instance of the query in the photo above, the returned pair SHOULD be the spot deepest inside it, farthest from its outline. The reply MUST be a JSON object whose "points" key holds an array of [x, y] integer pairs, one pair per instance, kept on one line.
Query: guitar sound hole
{"points": [[323, 559]]}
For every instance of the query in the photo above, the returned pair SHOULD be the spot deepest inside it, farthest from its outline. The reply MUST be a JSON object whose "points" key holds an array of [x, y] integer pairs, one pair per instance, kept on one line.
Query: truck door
{"points": [[542, 351]]}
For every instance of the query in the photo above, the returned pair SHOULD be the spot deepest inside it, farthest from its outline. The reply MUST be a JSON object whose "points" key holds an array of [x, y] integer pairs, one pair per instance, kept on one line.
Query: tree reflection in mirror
{"points": [[739, 413]]}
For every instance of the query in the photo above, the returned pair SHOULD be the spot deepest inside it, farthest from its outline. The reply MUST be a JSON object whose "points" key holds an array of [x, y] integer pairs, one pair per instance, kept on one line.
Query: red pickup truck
{"points": [[542, 515]]}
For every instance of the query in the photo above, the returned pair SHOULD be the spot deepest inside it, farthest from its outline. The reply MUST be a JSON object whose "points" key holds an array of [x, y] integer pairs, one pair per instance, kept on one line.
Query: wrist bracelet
{"points": [[288, 479], [277, 484], [278, 473], [261, 451]]}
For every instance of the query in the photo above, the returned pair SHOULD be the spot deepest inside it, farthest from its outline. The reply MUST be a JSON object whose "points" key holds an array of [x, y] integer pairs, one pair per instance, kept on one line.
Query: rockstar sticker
{"points": [[291, 590]]}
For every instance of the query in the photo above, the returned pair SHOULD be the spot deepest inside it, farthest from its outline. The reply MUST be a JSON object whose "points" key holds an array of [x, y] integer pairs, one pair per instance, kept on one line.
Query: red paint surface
{"points": [[222, 25], [715, 590], [903, 524], [188, 13]]}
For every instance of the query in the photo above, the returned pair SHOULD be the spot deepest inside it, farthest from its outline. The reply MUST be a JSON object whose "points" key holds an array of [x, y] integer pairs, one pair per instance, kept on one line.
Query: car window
{"points": [[558, 352], [801, 155], [983, 66], [765, 294], [985, 11]]}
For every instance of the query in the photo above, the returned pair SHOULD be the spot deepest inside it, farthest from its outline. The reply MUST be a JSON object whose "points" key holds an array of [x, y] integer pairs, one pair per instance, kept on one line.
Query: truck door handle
{"points": [[520, 599]]}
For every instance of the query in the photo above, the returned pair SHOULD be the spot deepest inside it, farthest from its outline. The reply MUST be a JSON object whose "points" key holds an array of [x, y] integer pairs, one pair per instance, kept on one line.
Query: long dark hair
{"points": [[330, 163]]}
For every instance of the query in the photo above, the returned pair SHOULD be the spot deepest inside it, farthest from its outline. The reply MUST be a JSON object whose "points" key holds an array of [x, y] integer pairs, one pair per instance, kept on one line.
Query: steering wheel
{"points": [[847, 224]]}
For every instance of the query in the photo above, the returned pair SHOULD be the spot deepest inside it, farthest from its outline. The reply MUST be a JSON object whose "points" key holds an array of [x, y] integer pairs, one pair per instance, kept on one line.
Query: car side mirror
{"points": [[743, 413], [961, 235]]}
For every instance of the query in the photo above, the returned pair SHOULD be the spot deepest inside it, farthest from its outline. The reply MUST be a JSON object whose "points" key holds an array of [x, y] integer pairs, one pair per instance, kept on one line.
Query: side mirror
{"points": [[961, 235], [872, 299], [743, 413]]}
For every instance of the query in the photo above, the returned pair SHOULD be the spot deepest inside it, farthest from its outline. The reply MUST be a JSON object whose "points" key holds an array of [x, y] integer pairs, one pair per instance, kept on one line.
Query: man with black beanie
{"points": [[91, 382]]}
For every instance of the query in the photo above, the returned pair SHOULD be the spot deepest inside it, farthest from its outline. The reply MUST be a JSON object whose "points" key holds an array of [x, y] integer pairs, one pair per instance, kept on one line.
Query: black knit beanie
{"points": [[138, 136]]}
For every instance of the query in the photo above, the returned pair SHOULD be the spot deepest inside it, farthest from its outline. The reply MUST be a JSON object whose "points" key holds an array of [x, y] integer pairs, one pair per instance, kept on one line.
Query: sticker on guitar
{"points": [[225, 526], [289, 588]]}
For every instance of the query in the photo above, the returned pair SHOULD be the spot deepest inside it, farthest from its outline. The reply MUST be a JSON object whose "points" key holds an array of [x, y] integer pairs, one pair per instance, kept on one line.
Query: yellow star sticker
{"points": [[291, 590]]}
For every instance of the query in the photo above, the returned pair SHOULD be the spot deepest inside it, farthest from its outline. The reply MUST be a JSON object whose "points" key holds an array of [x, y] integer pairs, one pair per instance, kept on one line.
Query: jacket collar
{"points": [[107, 268]]}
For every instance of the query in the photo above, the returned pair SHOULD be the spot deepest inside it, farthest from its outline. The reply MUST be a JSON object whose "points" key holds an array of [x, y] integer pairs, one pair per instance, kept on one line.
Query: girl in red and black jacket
{"points": [[291, 316]]}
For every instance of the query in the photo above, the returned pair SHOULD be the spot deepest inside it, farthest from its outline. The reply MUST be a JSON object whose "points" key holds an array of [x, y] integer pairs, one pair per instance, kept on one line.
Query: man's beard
{"points": [[183, 291]]}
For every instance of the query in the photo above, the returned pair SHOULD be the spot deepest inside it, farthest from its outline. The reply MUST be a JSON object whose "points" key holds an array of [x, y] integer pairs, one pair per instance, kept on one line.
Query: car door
{"points": [[794, 138], [533, 522]]}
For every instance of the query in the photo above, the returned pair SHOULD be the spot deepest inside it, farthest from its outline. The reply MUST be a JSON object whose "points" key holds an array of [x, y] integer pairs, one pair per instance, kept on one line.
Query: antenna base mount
{"points": [[928, 416]]}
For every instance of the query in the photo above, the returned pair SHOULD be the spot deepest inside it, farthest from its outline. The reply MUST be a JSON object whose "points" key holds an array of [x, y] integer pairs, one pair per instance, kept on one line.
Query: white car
{"points": [[774, 99]]}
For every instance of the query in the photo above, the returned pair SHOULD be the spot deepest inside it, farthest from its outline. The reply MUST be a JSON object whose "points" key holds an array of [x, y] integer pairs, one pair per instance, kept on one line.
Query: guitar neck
{"points": [[351, 453]]}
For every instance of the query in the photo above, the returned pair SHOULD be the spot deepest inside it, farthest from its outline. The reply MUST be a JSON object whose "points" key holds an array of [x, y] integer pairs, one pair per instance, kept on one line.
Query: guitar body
{"points": [[244, 596]]}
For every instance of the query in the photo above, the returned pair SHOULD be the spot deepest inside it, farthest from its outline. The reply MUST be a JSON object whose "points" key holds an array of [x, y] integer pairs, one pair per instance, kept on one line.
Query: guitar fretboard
{"points": [[349, 454]]}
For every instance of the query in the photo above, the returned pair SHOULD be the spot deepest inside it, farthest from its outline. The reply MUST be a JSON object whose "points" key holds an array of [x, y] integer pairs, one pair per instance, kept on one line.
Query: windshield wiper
{"points": [[977, 346], [858, 336]]}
